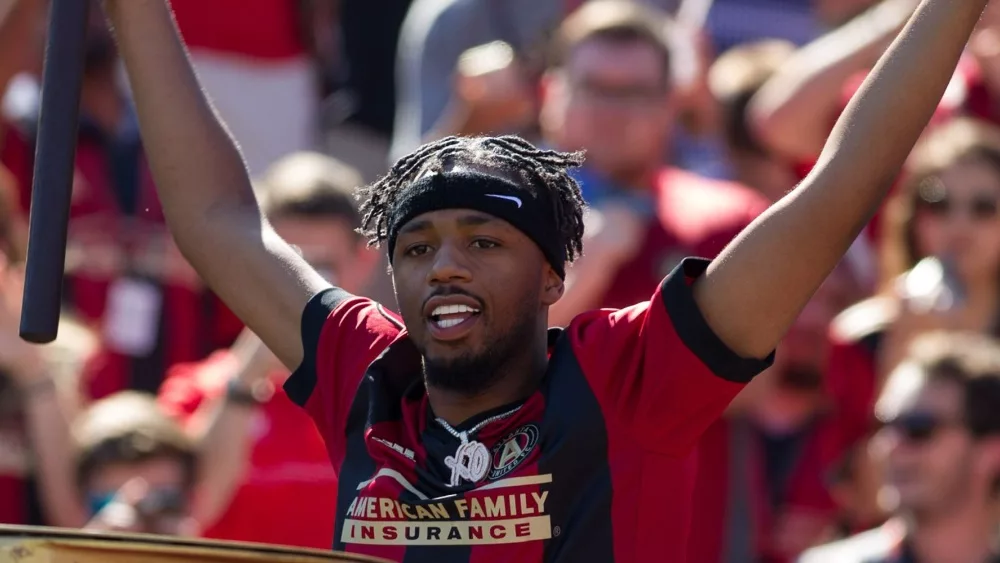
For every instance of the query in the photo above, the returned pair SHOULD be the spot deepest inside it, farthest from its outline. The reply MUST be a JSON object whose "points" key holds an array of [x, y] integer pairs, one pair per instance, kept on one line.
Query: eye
{"points": [[417, 250], [484, 244]]}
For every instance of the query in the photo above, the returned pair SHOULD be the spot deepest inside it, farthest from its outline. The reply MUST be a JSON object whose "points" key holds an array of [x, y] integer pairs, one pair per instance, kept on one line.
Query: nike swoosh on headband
{"points": [[516, 200]]}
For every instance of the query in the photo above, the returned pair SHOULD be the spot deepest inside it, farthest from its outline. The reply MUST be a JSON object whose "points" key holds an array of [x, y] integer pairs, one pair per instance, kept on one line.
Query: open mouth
{"points": [[450, 316]]}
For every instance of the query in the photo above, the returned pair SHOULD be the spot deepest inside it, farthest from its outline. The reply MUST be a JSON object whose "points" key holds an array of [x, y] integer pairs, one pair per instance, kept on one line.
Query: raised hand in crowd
{"points": [[47, 399]]}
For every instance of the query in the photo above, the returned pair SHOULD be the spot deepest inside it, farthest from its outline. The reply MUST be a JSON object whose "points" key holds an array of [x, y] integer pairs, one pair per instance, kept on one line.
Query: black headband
{"points": [[528, 210]]}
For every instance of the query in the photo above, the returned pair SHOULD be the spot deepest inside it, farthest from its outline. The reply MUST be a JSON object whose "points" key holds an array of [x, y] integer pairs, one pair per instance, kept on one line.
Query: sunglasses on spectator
{"points": [[162, 501], [980, 207], [919, 427]]}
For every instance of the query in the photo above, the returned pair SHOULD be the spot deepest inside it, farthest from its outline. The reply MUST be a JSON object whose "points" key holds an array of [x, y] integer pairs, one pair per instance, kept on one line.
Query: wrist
{"points": [[240, 393]]}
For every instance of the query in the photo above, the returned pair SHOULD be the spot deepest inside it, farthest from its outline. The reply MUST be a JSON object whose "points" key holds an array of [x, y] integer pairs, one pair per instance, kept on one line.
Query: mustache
{"points": [[446, 291]]}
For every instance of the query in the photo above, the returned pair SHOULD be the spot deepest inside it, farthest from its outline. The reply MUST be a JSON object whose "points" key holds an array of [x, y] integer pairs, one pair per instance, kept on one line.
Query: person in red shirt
{"points": [[937, 445], [264, 468], [463, 429], [37, 396], [610, 92], [946, 209]]}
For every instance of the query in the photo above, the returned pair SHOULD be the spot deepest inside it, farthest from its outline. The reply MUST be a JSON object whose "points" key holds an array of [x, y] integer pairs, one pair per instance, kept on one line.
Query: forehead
{"points": [[971, 176], [452, 219], [909, 389], [616, 60]]}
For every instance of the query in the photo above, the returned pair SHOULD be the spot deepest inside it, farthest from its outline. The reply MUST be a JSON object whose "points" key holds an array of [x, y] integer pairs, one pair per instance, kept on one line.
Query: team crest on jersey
{"points": [[512, 450]]}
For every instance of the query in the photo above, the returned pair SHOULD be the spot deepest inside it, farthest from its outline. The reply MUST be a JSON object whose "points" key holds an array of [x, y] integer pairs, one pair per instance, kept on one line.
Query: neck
{"points": [[963, 537], [517, 380]]}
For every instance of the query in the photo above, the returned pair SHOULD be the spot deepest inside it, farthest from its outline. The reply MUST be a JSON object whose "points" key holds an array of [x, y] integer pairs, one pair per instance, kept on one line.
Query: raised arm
{"points": [[754, 290], [204, 187]]}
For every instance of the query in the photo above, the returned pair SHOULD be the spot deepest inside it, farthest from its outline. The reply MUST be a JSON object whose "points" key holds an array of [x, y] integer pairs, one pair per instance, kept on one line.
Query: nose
{"points": [[449, 266]]}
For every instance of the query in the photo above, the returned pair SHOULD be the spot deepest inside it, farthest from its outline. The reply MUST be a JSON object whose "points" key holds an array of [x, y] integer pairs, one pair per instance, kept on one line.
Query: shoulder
{"points": [[864, 320], [341, 335], [866, 546], [669, 329], [334, 313]]}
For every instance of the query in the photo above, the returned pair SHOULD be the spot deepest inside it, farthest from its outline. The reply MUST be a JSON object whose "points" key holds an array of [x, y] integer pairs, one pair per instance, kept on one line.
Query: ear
{"points": [[553, 287]]}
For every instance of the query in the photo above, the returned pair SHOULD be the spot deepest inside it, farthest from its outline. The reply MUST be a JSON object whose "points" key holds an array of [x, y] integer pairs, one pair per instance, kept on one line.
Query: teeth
{"points": [[448, 323], [452, 309]]}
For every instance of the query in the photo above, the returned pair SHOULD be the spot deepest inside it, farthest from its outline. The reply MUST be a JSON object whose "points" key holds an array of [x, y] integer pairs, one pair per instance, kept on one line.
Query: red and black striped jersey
{"points": [[595, 466]]}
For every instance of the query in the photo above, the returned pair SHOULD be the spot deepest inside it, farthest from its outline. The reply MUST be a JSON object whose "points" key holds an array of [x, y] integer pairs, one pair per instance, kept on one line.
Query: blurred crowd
{"points": [[156, 411]]}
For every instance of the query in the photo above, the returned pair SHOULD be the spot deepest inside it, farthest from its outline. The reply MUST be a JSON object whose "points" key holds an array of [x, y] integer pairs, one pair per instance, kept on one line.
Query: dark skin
{"points": [[484, 258], [749, 296]]}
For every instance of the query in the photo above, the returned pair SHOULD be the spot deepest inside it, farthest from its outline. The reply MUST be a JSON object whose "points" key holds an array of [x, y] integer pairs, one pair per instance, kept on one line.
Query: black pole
{"points": [[55, 154]]}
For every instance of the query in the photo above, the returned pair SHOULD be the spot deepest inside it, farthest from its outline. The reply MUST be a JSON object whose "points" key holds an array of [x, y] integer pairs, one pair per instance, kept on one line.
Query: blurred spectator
{"points": [[256, 60], [125, 276], [444, 88], [610, 92], [469, 67], [734, 78], [761, 492], [940, 447], [264, 465], [136, 468], [38, 387], [945, 208]]}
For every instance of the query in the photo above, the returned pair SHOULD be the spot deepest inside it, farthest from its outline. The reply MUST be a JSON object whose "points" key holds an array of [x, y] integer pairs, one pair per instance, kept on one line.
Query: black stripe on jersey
{"points": [[361, 466], [575, 452], [389, 317], [300, 384], [694, 332]]}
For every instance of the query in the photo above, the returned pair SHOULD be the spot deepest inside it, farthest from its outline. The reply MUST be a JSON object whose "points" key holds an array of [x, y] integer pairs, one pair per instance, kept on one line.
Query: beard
{"points": [[473, 373]]}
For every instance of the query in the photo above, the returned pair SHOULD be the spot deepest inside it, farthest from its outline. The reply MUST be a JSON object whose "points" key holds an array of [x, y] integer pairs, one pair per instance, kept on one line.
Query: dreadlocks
{"points": [[539, 169]]}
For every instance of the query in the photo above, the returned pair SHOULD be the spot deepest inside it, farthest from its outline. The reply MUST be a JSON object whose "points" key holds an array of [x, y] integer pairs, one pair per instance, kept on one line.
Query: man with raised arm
{"points": [[464, 430]]}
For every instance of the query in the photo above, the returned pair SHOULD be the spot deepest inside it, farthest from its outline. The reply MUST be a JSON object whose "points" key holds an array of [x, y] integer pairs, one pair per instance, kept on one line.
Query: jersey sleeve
{"points": [[341, 335], [657, 368]]}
